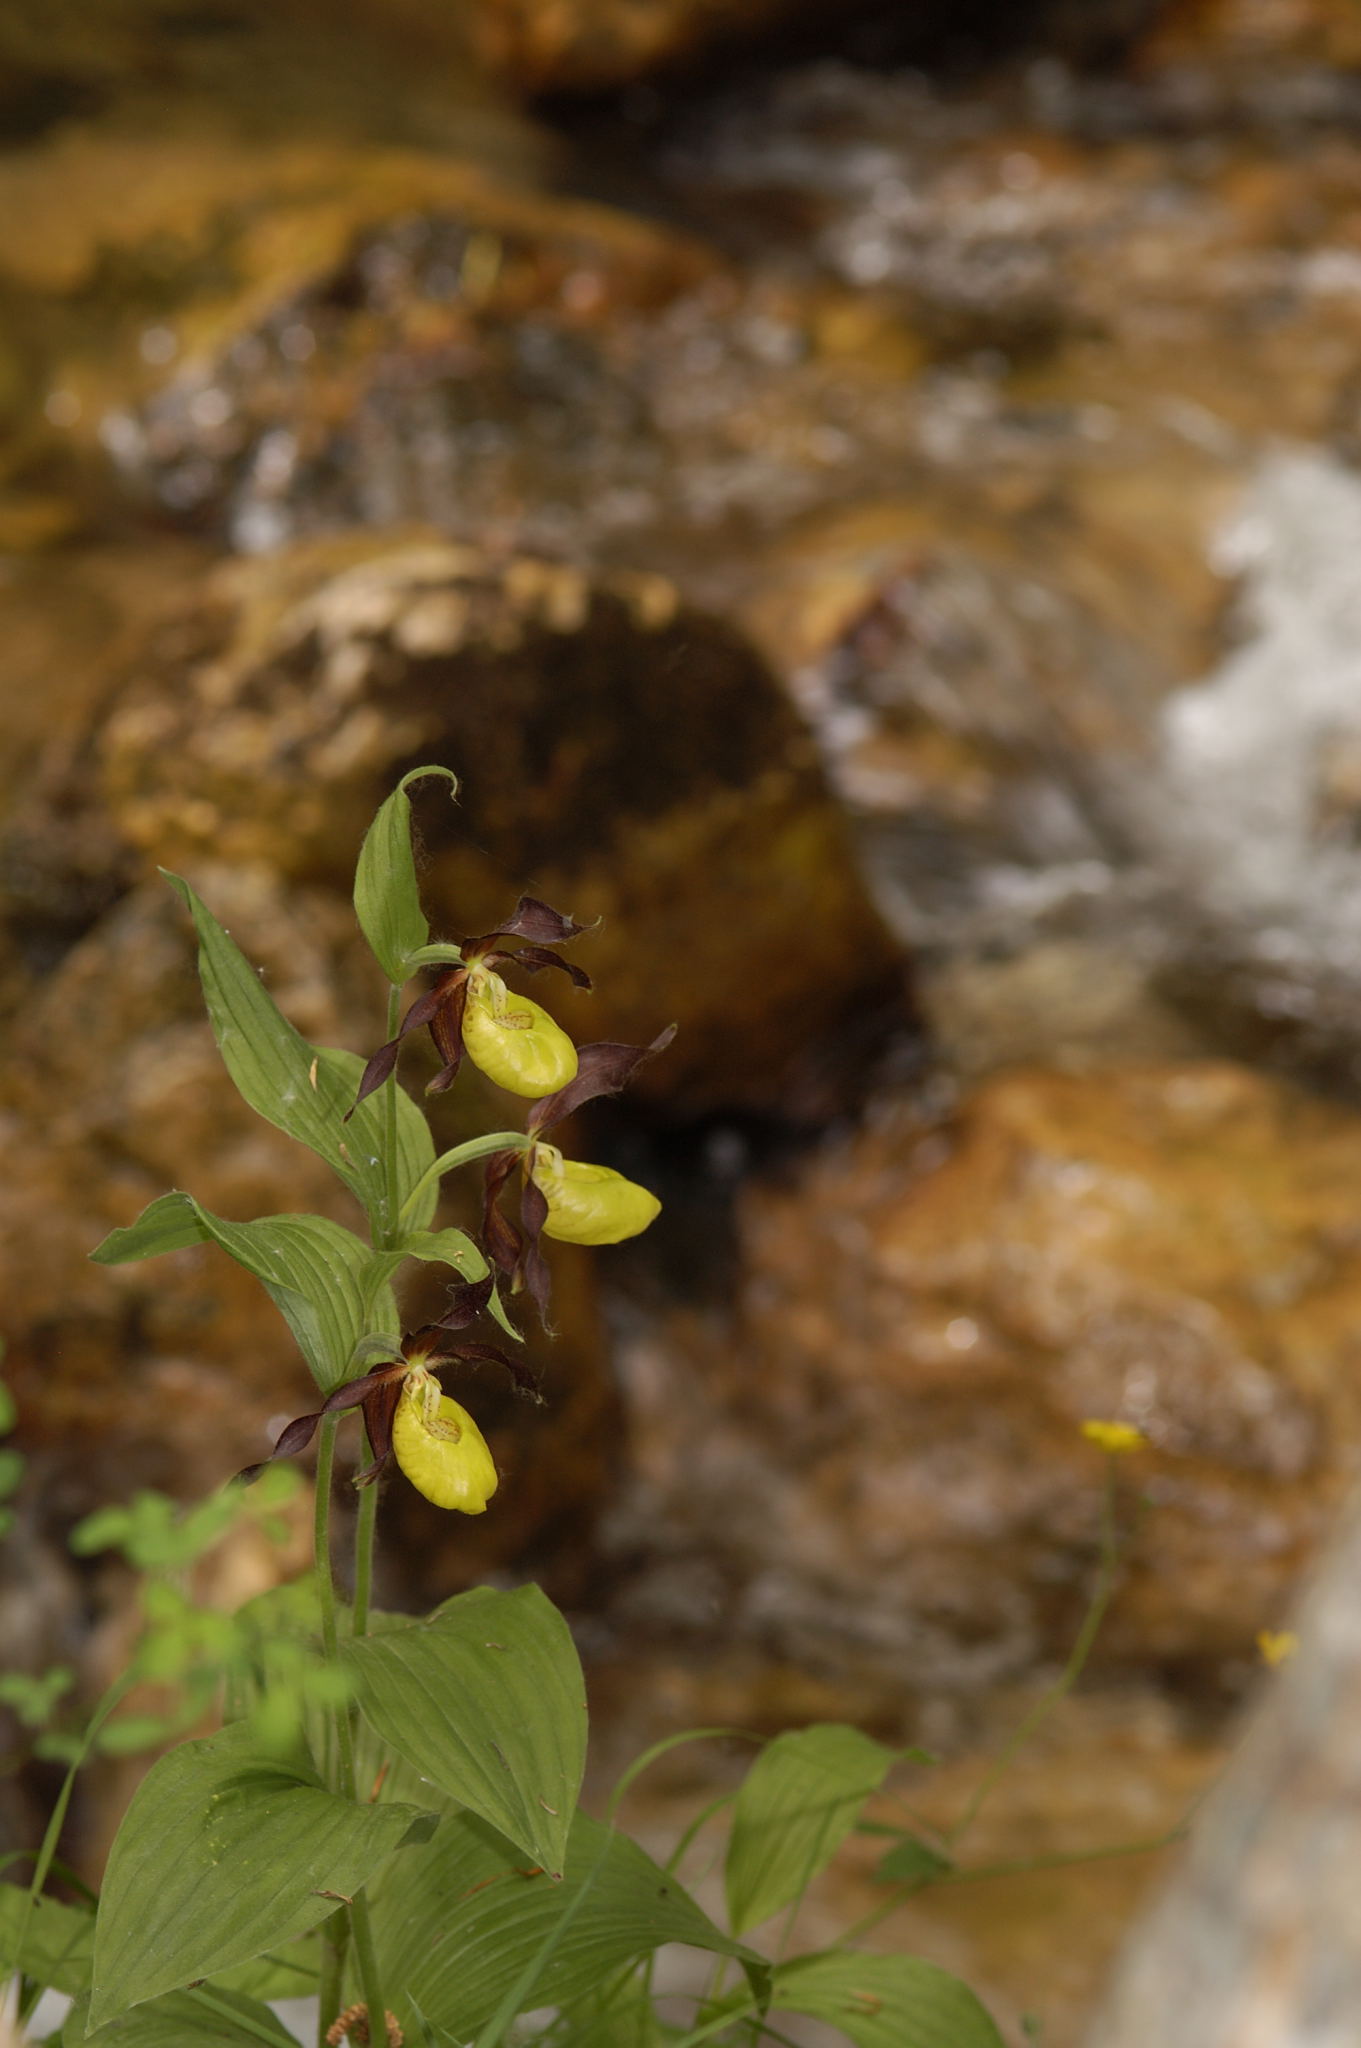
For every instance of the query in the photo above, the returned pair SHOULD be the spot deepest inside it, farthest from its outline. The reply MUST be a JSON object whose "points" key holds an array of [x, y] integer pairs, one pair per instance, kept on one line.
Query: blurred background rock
{"points": [[866, 498]]}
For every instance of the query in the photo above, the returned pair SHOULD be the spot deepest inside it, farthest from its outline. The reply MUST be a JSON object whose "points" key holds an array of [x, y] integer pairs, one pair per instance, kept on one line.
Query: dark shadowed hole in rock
{"points": [[32, 102], [616, 131]]}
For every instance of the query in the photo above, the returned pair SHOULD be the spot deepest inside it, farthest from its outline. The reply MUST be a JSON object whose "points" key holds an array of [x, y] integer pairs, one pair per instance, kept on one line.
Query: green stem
{"points": [[1060, 1859], [57, 1819], [326, 1594], [391, 1227], [706, 1813], [330, 1991], [1016, 1866], [461, 1155], [321, 1535], [385, 1238], [360, 1931], [366, 1523], [1071, 1672]]}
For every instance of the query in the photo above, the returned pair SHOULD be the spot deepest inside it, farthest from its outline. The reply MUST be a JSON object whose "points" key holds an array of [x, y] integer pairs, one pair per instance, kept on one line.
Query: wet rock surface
{"points": [[606, 394], [590, 44], [1236, 39], [894, 1479]]}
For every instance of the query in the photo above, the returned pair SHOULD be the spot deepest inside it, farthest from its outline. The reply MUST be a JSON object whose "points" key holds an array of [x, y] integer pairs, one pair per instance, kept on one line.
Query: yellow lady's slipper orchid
{"points": [[515, 1043], [589, 1204], [440, 1448], [469, 1009]]}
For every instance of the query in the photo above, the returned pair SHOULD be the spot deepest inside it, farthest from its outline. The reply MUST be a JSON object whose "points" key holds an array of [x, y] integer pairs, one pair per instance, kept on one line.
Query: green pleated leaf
{"points": [[207, 2018], [321, 1278], [327, 1284], [387, 897], [291, 1971], [222, 1855], [306, 1090], [445, 1247], [885, 2001], [487, 1701], [363, 1139], [461, 1924], [53, 1944], [798, 1803], [169, 1224]]}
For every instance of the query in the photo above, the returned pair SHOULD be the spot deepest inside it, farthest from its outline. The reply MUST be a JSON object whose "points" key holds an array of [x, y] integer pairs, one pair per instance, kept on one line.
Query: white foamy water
{"points": [[1260, 809]]}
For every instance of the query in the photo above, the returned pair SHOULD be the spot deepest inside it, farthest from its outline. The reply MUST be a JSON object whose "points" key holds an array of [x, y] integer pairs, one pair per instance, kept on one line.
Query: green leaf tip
{"points": [[387, 897], [431, 768]]}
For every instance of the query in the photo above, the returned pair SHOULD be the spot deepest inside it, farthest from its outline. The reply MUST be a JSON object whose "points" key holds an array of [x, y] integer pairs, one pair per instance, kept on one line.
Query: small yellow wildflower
{"points": [[515, 1043], [1277, 1645], [589, 1204], [1115, 1437], [440, 1448]]}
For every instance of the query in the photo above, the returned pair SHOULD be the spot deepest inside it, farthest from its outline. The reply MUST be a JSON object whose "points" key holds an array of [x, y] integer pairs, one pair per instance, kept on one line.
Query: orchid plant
{"points": [[387, 1818]]}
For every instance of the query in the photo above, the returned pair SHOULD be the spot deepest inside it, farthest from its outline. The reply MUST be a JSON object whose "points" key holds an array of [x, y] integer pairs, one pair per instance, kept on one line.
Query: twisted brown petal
{"points": [[465, 1303], [425, 1010], [446, 1028], [500, 1239], [535, 958], [523, 1376], [379, 1408], [533, 1265]]}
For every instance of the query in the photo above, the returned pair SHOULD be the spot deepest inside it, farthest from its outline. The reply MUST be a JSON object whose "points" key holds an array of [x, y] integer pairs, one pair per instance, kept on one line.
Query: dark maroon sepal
{"points": [[602, 1069], [295, 1437], [356, 1392], [538, 921], [379, 1069], [427, 1009]]}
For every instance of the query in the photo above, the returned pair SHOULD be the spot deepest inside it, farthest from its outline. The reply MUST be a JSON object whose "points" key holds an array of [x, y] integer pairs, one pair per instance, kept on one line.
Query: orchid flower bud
{"points": [[440, 1448], [515, 1043], [589, 1204]]}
